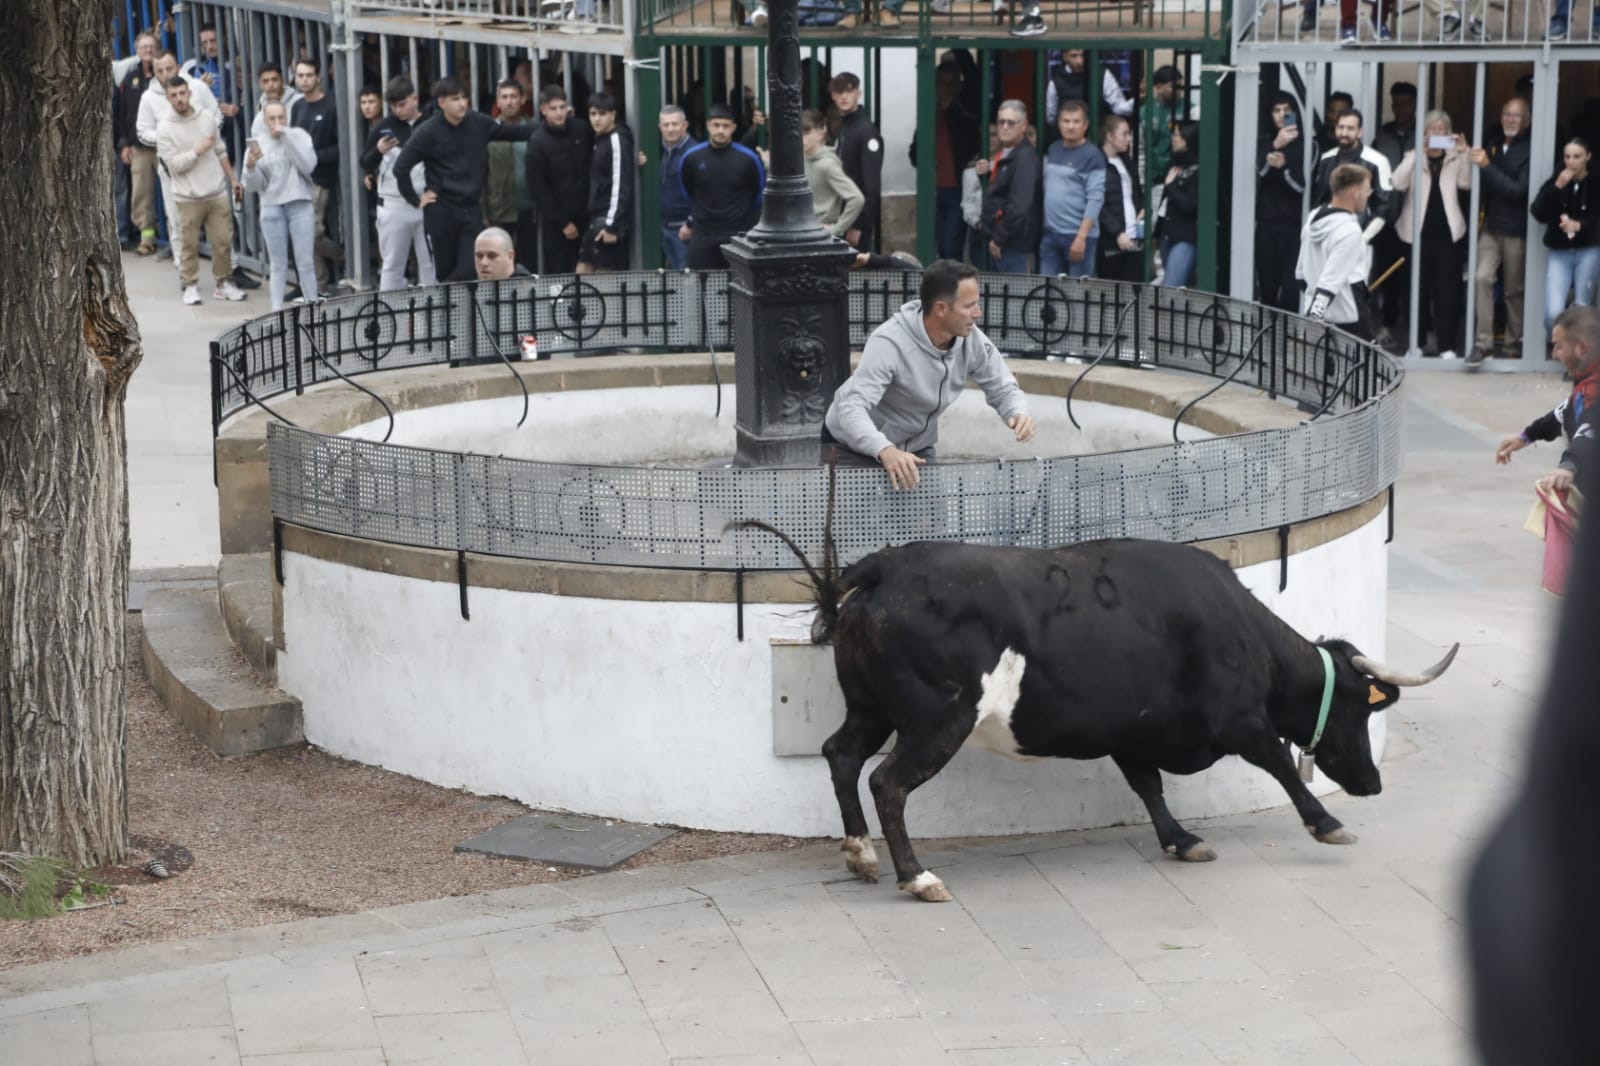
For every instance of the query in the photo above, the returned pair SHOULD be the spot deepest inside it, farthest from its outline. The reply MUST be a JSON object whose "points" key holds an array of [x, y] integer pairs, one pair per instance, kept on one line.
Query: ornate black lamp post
{"points": [[789, 299]]}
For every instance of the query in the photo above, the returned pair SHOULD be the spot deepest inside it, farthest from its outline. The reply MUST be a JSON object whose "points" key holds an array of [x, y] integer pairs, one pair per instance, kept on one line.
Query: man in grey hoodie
{"points": [[912, 368]]}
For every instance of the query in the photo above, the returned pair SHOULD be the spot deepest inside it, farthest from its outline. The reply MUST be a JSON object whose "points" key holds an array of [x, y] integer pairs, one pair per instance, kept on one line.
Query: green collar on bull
{"points": [[1327, 699]]}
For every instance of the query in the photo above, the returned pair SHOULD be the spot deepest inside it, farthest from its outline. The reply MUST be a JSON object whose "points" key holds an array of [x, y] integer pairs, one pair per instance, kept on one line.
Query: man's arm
{"points": [[371, 158], [1511, 182], [850, 192], [999, 387], [540, 189], [872, 181], [328, 154], [1346, 258], [145, 125], [1113, 96], [1094, 198], [176, 159], [857, 398], [413, 153], [1581, 452]]}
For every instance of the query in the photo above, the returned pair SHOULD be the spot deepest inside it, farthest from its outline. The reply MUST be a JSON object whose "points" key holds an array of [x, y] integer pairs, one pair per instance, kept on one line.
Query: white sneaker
{"points": [[226, 291], [191, 295], [1448, 355], [941, 6], [758, 17]]}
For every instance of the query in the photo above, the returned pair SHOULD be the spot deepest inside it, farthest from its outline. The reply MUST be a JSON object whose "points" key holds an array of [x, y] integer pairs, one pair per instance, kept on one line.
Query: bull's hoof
{"points": [[861, 858], [927, 888], [1197, 852], [1341, 835]]}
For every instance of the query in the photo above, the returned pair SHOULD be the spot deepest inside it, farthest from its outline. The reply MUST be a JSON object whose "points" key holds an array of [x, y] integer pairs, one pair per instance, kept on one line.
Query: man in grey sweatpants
{"points": [[912, 368]]}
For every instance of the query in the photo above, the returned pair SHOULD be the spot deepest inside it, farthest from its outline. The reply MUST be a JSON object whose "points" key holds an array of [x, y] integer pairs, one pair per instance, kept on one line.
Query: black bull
{"points": [[1147, 652]]}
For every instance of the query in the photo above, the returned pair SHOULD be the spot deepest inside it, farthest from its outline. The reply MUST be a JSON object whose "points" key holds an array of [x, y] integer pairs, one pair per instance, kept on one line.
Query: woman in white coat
{"points": [[278, 166], [1442, 258]]}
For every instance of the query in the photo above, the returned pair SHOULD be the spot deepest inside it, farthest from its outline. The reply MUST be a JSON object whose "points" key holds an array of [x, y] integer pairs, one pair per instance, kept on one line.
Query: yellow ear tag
{"points": [[1375, 694]]}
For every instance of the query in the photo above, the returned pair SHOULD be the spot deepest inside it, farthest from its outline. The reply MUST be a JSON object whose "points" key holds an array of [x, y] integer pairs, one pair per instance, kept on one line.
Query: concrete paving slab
{"points": [[567, 840], [316, 1008], [452, 976], [60, 1036], [357, 1057], [483, 1038]]}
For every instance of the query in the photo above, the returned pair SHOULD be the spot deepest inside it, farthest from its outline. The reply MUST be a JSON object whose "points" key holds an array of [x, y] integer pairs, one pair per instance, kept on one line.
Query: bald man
{"points": [[495, 256]]}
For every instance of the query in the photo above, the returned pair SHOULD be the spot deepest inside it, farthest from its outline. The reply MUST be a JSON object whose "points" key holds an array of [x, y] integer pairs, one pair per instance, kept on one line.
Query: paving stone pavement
{"points": [[1088, 947]]}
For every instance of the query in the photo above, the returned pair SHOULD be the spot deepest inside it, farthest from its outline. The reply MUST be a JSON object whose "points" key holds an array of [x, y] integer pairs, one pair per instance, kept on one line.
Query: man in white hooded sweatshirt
{"points": [[912, 368], [1333, 254]]}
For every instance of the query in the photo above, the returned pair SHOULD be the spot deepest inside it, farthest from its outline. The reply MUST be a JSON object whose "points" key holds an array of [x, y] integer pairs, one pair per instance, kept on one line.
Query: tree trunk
{"points": [[68, 344]]}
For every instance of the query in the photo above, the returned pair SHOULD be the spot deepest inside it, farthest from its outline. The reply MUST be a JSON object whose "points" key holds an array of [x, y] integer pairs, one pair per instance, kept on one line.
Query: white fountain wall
{"points": [[655, 711]]}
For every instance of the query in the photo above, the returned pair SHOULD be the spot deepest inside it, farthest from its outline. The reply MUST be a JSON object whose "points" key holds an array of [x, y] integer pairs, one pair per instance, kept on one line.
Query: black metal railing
{"points": [[1027, 317]]}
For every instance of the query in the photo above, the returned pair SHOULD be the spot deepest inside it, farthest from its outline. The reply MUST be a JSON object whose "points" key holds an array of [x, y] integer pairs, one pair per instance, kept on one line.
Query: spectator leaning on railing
{"points": [[1502, 242]]}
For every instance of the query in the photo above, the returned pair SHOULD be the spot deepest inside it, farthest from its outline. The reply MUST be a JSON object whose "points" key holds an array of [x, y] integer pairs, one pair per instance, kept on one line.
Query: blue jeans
{"points": [[281, 223], [1177, 259], [673, 247], [1561, 13], [1569, 268], [1012, 261], [949, 228], [1055, 256]]}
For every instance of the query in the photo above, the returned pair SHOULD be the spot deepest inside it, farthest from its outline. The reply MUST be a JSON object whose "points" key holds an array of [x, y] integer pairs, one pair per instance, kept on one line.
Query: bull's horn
{"points": [[1396, 677]]}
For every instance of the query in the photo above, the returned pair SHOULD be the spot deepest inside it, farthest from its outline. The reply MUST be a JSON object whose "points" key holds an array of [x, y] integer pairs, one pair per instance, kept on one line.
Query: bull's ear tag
{"points": [[1374, 694], [1308, 765]]}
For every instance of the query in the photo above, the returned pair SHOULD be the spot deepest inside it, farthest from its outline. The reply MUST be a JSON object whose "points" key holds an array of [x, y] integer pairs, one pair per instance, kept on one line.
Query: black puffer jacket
{"points": [[1013, 207], [1577, 201], [1505, 186], [559, 161]]}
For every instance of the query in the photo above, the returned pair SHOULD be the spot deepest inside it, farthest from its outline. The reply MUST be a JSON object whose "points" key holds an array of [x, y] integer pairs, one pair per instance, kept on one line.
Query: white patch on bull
{"points": [[861, 857], [1002, 688], [926, 886]]}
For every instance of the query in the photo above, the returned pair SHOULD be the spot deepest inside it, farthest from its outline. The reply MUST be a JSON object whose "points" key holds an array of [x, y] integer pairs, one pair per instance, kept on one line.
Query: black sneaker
{"points": [[1030, 25], [1308, 17], [1475, 358], [243, 280]]}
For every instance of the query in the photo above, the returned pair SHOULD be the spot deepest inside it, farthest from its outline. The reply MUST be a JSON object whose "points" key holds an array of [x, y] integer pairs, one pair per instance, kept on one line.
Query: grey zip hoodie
{"points": [[904, 383]]}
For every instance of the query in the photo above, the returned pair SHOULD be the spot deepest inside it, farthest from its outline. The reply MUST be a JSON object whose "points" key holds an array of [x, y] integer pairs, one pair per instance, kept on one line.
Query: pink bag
{"points": [[1560, 526]]}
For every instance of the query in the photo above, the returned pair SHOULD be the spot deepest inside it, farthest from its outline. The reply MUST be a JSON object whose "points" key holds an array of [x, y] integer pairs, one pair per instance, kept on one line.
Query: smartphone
{"points": [[251, 143], [385, 132], [1441, 141], [1291, 119]]}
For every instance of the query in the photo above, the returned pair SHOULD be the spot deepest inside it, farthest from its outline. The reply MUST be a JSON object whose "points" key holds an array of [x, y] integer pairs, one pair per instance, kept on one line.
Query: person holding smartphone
{"points": [[1429, 187], [278, 167], [1280, 183]]}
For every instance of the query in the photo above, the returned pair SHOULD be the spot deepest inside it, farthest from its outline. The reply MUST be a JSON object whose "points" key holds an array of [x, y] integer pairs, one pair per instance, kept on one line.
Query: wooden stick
{"points": [[1396, 265]]}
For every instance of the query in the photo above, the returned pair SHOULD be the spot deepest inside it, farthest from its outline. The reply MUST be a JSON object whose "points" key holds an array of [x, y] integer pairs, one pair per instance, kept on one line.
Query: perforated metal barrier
{"points": [[1347, 453]]}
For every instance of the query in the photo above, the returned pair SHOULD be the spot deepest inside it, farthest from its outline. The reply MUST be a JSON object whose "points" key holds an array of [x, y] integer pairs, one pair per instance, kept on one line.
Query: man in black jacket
{"points": [[453, 148], [1502, 242], [1013, 206], [723, 181], [560, 153], [860, 149], [955, 145], [1280, 181], [140, 159], [611, 185], [315, 113]]}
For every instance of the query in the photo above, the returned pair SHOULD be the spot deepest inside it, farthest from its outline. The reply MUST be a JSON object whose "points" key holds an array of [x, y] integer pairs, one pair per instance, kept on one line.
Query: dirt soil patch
{"points": [[289, 834]]}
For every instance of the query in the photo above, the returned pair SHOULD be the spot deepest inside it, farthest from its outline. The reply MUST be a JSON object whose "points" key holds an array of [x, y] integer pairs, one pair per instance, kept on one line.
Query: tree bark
{"points": [[68, 344]]}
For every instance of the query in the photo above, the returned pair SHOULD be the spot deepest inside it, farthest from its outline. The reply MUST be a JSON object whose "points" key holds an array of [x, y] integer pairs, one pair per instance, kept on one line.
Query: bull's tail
{"points": [[824, 580]]}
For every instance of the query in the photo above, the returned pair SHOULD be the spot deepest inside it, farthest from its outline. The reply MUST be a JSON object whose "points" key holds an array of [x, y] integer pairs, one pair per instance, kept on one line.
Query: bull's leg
{"points": [[914, 760], [1175, 839], [1267, 751], [846, 751]]}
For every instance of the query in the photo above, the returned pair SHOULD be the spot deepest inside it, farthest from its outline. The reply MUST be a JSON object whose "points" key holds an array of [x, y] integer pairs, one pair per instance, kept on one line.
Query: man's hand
{"points": [[228, 110], [685, 231], [127, 157], [758, 117], [1480, 158], [570, 231], [1287, 135], [902, 467], [1570, 226], [369, 181], [253, 156], [428, 197], [994, 249], [1558, 480], [1023, 424], [1172, 175], [852, 237], [387, 143], [1080, 248], [238, 192], [205, 144], [210, 81], [1502, 454], [605, 236], [1126, 243], [641, 157], [981, 167], [1276, 159], [1565, 178]]}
